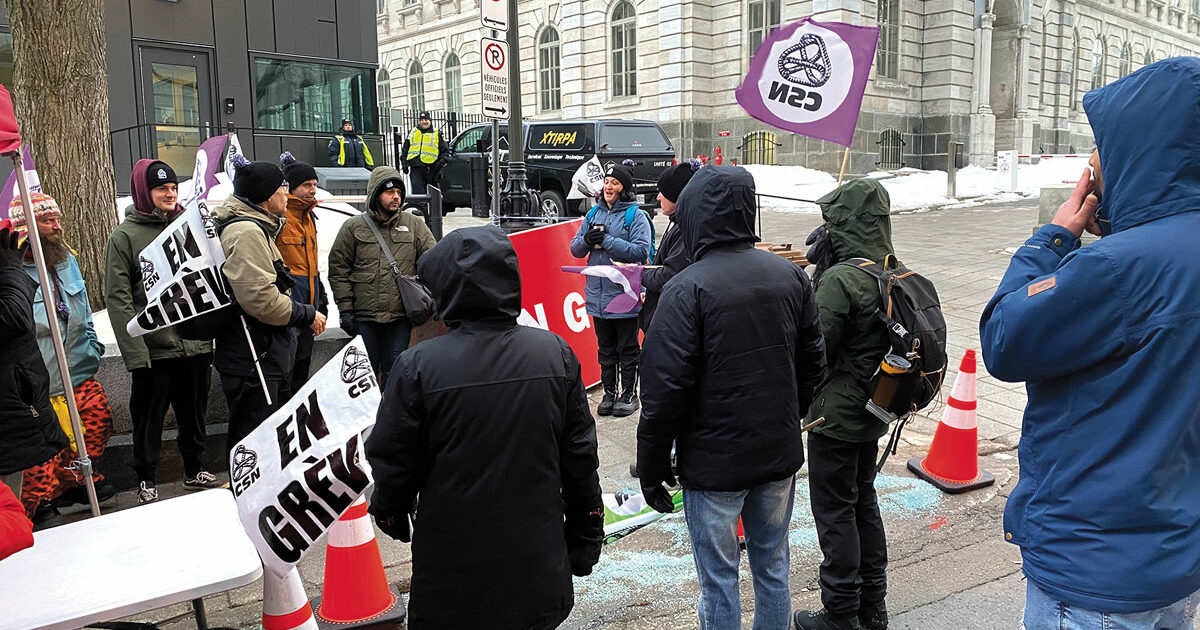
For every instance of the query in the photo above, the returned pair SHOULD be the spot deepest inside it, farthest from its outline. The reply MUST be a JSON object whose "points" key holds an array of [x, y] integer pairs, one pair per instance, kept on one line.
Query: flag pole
{"points": [[845, 162], [257, 366], [35, 242]]}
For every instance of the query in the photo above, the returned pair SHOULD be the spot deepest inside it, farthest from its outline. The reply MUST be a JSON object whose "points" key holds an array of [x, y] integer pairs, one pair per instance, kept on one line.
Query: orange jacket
{"points": [[298, 244]]}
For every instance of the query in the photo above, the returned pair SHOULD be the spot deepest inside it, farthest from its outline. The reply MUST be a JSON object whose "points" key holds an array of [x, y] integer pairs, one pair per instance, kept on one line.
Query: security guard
{"points": [[348, 149], [425, 152]]}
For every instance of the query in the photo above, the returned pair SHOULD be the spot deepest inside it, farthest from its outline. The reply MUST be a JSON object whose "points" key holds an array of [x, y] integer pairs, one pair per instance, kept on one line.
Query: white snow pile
{"points": [[794, 188]]}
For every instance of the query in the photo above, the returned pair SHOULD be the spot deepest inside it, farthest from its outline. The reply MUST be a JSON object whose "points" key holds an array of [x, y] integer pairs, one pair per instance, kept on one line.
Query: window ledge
{"points": [[623, 101], [410, 10], [890, 85]]}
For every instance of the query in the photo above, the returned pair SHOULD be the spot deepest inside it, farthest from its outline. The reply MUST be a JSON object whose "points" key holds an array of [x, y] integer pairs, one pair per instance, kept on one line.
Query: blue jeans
{"points": [[384, 343], [1043, 612], [712, 518]]}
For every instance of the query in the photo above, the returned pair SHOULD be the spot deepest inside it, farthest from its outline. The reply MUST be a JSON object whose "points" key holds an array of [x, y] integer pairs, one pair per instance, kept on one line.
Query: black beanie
{"points": [[255, 181], [159, 173], [622, 174], [672, 180], [295, 171]]}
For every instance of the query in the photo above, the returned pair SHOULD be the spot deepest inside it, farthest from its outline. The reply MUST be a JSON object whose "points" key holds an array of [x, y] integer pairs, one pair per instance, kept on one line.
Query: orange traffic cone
{"points": [[953, 460], [741, 534], [356, 593], [285, 606]]}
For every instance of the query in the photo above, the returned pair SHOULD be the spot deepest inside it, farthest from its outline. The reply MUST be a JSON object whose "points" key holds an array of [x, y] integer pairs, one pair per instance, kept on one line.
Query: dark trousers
{"points": [[419, 179], [841, 486], [181, 384], [304, 346], [618, 341], [248, 406], [384, 343]]}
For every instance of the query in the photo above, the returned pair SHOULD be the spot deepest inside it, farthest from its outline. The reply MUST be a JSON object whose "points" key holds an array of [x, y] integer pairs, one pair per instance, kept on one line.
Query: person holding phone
{"points": [[614, 231]]}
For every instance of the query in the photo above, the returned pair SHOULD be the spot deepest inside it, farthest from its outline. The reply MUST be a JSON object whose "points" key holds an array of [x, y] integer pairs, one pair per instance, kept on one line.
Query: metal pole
{"points": [[257, 367], [519, 201], [496, 171], [35, 242]]}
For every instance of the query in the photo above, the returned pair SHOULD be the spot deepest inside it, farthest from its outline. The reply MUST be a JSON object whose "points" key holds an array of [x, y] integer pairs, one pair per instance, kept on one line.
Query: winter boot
{"points": [[873, 615], [823, 620], [608, 376], [628, 402]]}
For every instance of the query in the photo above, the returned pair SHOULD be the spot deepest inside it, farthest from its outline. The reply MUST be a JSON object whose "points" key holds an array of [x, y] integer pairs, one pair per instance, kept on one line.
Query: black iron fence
{"points": [[758, 147], [891, 150]]}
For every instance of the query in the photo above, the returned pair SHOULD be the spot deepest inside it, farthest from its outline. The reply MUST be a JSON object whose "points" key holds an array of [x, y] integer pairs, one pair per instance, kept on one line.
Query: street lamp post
{"points": [[518, 200]]}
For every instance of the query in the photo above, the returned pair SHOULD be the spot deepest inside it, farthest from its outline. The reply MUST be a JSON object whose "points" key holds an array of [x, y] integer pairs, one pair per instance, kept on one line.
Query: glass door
{"points": [[177, 104]]}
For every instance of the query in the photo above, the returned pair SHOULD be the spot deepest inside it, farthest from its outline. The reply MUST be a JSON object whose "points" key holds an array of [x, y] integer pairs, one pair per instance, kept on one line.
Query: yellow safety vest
{"points": [[342, 151], [424, 144]]}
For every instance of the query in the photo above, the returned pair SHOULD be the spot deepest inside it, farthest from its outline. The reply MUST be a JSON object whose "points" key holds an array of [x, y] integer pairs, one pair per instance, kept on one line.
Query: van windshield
{"points": [[625, 137]]}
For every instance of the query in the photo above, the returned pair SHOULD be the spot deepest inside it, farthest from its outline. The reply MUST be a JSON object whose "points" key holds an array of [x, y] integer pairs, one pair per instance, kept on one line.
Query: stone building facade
{"points": [[992, 74]]}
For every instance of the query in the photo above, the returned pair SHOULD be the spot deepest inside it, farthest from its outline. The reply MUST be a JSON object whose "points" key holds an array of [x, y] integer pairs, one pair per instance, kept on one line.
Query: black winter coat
{"points": [[734, 352], [671, 259], [29, 431], [488, 430]]}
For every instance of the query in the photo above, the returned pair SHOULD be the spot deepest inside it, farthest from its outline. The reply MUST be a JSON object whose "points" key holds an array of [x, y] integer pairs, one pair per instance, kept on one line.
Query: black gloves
{"points": [[657, 496], [348, 323], [584, 534], [398, 527], [10, 253], [593, 237], [820, 254], [405, 169]]}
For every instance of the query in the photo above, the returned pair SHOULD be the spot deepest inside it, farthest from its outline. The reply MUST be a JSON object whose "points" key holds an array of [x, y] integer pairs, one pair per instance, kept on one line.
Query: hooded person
{"points": [[248, 223], [1107, 510], [349, 149], [670, 258], [614, 231], [166, 371], [730, 363], [361, 275], [442, 446], [842, 450]]}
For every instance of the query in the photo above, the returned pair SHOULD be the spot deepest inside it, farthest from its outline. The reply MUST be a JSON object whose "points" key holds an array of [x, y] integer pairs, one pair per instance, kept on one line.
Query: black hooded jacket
{"points": [[669, 260], [734, 352], [488, 428]]}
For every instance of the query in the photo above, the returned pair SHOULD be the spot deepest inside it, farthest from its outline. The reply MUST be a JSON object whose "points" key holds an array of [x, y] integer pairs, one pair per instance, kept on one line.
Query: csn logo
{"points": [[244, 470], [357, 372], [806, 64], [149, 277]]}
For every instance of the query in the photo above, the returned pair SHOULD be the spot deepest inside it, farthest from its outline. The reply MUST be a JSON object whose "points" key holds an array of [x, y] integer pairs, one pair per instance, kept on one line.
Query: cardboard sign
{"points": [[305, 465], [553, 300]]}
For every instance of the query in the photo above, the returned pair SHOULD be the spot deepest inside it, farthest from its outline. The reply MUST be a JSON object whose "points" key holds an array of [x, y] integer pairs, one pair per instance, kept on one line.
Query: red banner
{"points": [[553, 300]]}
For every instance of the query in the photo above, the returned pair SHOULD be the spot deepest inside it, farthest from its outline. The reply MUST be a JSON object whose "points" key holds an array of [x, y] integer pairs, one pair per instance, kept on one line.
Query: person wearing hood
{"points": [[731, 361], [1107, 509], [349, 149], [496, 455], [166, 371], [361, 275], [297, 244], [843, 449], [425, 152], [248, 222], [614, 231], [670, 258]]}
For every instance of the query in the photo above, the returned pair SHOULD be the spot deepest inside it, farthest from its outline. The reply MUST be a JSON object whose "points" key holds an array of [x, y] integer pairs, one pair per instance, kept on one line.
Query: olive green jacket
{"points": [[125, 296], [359, 274], [857, 215]]}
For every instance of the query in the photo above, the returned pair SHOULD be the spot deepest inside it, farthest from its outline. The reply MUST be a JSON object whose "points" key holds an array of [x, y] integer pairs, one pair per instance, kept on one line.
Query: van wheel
{"points": [[551, 204]]}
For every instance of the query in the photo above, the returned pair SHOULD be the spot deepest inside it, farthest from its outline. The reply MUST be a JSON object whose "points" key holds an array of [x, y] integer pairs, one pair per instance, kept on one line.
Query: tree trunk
{"points": [[60, 93]]}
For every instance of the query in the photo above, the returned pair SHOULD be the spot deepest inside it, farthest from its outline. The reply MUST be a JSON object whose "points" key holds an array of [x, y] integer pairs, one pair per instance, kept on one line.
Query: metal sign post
{"points": [[496, 171]]}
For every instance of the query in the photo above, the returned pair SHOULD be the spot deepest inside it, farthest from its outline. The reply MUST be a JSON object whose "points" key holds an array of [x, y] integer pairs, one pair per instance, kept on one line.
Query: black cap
{"points": [[159, 173], [622, 174], [256, 181], [424, 116], [295, 171], [672, 180]]}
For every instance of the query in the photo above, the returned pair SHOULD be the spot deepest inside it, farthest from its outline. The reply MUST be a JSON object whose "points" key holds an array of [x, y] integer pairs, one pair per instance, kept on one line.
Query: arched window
{"points": [[453, 84], [624, 49], [762, 18], [887, 55], [383, 88], [416, 87], [1099, 61], [550, 70], [1126, 65]]}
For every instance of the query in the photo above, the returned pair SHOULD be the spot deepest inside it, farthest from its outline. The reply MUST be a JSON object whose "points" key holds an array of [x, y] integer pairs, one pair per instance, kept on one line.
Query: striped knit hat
{"points": [[43, 206]]}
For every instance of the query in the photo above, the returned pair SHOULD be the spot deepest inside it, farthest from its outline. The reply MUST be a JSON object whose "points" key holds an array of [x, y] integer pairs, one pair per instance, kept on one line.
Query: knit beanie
{"points": [[158, 174], [255, 181], [295, 171], [43, 206], [672, 180], [623, 174]]}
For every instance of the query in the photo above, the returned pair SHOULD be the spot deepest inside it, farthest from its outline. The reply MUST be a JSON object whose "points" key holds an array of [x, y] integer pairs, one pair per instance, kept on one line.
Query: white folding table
{"points": [[128, 562]]}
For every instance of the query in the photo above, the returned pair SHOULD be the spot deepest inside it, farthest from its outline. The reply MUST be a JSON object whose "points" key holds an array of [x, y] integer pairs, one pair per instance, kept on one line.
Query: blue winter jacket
{"points": [[1107, 337], [630, 245], [82, 345]]}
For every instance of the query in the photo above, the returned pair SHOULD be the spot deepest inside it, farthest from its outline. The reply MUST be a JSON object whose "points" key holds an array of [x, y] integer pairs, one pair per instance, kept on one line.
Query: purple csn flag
{"points": [[809, 77], [10, 186], [208, 163], [628, 277]]}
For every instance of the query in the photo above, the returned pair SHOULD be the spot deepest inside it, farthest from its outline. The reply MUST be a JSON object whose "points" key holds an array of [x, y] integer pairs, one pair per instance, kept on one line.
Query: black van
{"points": [[554, 150]]}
